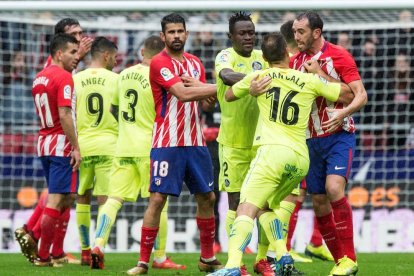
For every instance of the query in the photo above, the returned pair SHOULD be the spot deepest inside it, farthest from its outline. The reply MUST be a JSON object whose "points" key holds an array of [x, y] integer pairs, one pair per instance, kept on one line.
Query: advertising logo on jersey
{"points": [[67, 92], [166, 73], [224, 57], [256, 66]]}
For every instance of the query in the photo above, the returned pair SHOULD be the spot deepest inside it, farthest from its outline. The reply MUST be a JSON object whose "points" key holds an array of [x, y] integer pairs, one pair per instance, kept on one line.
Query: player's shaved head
{"points": [[102, 44], [238, 16], [315, 21], [60, 27], [174, 18], [152, 46], [60, 42], [274, 47]]}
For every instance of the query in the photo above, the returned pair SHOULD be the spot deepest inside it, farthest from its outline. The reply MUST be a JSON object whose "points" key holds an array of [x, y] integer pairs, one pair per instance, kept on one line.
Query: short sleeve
{"points": [[224, 59], [65, 90], [162, 73], [241, 88], [328, 90], [347, 68]]}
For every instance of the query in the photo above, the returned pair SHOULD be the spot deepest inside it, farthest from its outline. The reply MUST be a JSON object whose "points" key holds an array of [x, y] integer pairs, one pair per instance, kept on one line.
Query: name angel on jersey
{"points": [[138, 77], [293, 78], [41, 80], [91, 81]]}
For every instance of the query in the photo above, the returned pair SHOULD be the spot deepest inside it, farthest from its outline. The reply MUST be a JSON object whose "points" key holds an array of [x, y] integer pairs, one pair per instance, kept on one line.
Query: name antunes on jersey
{"points": [[138, 77], [294, 79]]}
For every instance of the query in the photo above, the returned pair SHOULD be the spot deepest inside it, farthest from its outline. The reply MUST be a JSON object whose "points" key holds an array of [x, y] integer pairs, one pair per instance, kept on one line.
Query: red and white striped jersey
{"points": [[52, 88], [339, 64], [176, 123]]}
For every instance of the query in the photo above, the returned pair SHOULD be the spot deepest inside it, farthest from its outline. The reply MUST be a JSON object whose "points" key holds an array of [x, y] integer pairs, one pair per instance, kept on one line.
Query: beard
{"points": [[176, 46]]}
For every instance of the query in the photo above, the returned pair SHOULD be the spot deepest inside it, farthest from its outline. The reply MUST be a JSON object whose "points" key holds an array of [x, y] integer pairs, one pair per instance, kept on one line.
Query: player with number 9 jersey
{"points": [[95, 88]]}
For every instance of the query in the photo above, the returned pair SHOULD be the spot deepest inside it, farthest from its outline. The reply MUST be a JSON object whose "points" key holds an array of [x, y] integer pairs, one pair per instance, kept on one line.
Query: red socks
{"points": [[344, 226], [57, 249], [327, 227], [49, 224], [37, 213], [316, 239], [148, 236], [207, 227], [292, 224]]}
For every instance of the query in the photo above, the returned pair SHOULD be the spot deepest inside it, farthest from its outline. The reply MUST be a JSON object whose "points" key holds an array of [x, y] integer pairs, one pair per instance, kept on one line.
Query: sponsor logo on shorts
{"points": [[210, 184], [226, 182], [339, 168], [157, 181]]}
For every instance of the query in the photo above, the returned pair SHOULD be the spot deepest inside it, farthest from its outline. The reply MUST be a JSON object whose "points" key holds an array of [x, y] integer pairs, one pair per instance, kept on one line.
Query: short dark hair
{"points": [[315, 21], [287, 32], [172, 18], [153, 45], [63, 23], [274, 47], [102, 44], [60, 42], [236, 17]]}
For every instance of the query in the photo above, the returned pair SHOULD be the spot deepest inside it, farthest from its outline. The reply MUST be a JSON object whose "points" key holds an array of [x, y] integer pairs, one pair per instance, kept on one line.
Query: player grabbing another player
{"points": [[238, 119], [179, 152], [133, 107], [58, 146], [284, 112], [29, 234], [332, 139], [315, 248], [97, 132]]}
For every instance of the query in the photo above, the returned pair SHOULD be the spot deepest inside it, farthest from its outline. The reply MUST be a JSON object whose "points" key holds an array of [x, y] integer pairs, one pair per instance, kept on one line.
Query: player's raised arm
{"points": [[346, 96]]}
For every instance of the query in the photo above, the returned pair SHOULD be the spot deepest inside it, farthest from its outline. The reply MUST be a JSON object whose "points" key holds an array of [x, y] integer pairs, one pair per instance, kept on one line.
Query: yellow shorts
{"points": [[234, 165], [94, 174], [271, 179], [130, 176]]}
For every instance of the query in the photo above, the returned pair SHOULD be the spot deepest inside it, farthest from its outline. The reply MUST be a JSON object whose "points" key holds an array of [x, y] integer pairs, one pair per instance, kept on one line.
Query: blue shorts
{"points": [[329, 155], [59, 176], [170, 167]]}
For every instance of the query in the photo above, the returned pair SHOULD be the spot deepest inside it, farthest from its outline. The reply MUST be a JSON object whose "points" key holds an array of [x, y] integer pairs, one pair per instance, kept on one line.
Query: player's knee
{"points": [[157, 202], [335, 192], [321, 204], [206, 201]]}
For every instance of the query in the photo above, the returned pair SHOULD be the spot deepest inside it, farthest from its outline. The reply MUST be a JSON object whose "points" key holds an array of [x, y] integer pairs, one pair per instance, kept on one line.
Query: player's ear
{"points": [[316, 33], [229, 35], [162, 36]]}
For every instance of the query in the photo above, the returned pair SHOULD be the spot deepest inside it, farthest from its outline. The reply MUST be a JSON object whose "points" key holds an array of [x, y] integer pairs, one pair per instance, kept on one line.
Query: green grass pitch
{"points": [[394, 264]]}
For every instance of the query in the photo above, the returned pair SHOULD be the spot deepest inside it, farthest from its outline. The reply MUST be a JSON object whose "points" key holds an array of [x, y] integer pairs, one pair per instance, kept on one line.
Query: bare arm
{"points": [[230, 77], [66, 120], [346, 96], [115, 111], [187, 94], [357, 103], [229, 96]]}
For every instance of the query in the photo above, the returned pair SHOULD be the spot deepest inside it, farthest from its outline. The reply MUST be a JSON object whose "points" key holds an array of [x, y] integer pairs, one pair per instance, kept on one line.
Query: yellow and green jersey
{"points": [[238, 119], [285, 107], [136, 112], [97, 128]]}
